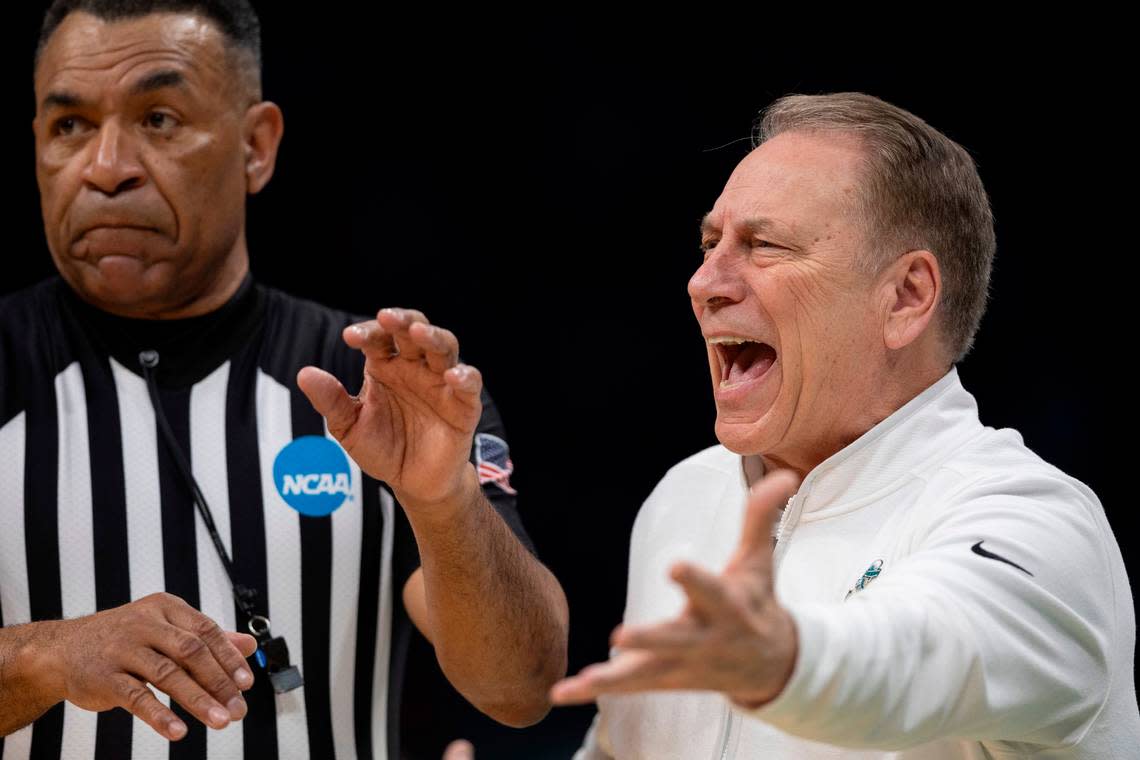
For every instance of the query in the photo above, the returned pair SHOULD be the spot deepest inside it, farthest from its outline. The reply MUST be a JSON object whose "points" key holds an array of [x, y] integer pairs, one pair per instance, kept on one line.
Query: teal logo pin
{"points": [[870, 574]]}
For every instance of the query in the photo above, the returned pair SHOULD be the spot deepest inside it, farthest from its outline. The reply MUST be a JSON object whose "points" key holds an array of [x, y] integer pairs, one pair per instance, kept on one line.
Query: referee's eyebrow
{"points": [[156, 80]]}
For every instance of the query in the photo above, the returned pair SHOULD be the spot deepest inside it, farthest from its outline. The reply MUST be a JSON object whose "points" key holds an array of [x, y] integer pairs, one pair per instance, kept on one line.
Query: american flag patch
{"points": [[493, 461]]}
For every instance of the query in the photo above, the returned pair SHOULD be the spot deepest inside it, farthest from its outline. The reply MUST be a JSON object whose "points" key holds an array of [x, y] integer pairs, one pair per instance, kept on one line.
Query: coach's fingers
{"points": [[760, 515], [708, 594], [460, 749], [627, 672], [674, 636]]}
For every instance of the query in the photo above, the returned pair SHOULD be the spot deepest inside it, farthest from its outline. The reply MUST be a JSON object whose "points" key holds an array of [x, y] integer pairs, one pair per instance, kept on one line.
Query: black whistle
{"points": [[273, 655]]}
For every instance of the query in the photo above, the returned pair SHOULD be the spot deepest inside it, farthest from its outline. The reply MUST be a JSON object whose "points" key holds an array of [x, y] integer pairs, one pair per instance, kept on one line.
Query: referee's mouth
{"points": [[122, 240]]}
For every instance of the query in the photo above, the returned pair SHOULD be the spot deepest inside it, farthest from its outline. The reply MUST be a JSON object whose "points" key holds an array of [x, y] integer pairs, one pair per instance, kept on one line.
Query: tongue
{"points": [[752, 361]]}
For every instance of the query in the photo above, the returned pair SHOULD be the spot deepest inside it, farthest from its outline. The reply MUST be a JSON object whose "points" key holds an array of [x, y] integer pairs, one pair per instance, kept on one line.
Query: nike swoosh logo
{"points": [[977, 549]]}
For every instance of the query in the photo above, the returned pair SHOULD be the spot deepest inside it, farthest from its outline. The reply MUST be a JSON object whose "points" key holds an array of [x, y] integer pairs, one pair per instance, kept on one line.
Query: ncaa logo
{"points": [[311, 474]]}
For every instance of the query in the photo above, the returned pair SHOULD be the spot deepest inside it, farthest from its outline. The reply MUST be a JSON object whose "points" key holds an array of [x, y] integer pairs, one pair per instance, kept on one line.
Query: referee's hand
{"points": [[105, 660], [412, 423]]}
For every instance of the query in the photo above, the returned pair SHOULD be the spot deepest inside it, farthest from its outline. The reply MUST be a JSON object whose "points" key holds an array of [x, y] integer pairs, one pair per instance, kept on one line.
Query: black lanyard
{"points": [[272, 654]]}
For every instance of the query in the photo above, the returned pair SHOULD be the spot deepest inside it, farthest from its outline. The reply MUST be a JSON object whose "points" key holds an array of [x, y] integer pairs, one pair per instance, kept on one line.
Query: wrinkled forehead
{"points": [[85, 48], [805, 181]]}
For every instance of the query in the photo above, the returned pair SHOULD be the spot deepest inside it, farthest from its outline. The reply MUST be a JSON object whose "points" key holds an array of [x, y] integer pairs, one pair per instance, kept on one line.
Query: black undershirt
{"points": [[189, 348]]}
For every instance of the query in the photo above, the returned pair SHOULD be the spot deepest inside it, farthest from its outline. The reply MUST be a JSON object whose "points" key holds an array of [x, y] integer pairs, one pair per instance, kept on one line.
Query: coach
{"points": [[935, 590]]}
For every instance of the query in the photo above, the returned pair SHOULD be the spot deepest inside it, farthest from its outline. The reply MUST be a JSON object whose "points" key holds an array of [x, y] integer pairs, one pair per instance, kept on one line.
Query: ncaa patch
{"points": [[493, 461], [312, 475]]}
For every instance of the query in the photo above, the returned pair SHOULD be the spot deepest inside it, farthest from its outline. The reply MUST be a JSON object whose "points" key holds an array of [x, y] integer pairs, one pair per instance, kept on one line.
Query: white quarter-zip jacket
{"points": [[955, 596]]}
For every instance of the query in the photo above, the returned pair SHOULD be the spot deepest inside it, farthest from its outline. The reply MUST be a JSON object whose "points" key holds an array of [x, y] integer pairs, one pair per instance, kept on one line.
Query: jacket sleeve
{"points": [[591, 746], [1009, 643]]}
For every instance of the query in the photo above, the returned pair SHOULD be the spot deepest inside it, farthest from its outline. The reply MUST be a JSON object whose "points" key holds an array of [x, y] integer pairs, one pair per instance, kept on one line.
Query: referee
{"points": [[184, 538]]}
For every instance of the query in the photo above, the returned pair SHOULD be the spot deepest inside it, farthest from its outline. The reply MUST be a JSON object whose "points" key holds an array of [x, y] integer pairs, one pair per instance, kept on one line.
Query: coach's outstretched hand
{"points": [[732, 637], [412, 424]]}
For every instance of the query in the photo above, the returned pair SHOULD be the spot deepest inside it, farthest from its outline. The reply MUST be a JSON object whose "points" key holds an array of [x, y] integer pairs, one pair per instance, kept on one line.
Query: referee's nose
{"points": [[113, 164]]}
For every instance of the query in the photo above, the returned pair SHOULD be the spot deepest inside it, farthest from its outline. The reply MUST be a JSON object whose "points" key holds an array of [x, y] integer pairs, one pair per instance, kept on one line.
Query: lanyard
{"points": [[272, 654]]}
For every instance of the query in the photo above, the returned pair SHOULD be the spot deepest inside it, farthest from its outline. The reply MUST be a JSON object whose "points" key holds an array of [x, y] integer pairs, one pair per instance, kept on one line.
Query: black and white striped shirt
{"points": [[93, 514]]}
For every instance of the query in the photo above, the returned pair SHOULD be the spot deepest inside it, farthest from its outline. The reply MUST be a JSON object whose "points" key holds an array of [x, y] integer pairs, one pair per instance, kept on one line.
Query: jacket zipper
{"points": [[730, 723]]}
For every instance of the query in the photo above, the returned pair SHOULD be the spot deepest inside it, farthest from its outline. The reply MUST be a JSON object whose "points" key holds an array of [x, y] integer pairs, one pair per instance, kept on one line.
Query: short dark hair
{"points": [[236, 19]]}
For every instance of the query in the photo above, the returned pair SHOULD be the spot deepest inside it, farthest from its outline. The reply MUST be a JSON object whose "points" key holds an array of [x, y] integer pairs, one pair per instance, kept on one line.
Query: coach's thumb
{"points": [[460, 749], [762, 511]]}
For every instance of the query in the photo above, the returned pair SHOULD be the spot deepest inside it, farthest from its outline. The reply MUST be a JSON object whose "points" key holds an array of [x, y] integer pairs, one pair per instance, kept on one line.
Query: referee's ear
{"points": [[262, 131]]}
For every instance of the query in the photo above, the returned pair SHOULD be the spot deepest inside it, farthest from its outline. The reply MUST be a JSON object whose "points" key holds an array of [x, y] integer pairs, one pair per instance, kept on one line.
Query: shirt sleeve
{"points": [[1011, 643], [490, 455]]}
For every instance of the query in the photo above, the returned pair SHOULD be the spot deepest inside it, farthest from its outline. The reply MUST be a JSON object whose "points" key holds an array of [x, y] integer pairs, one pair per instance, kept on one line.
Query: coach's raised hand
{"points": [[412, 423], [732, 637], [105, 660]]}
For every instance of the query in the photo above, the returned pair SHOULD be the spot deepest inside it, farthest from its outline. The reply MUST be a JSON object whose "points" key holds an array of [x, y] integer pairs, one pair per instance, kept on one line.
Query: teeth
{"points": [[730, 340]]}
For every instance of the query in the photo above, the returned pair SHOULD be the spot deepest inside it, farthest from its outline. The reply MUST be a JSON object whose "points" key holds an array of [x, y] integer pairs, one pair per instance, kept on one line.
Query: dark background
{"points": [[536, 185]]}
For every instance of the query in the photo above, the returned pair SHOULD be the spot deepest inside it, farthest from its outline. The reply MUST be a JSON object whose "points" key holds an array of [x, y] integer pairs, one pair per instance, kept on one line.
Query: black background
{"points": [[535, 184]]}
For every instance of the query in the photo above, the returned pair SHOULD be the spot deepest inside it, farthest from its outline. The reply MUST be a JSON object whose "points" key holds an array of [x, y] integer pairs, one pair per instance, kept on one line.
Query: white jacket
{"points": [[943, 651]]}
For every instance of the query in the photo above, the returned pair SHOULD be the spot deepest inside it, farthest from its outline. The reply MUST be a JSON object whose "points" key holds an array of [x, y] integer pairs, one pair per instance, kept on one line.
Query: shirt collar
{"points": [[914, 437], [189, 348]]}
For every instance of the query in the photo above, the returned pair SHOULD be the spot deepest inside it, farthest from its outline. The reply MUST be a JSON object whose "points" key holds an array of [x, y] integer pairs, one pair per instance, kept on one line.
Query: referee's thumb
{"points": [[329, 398]]}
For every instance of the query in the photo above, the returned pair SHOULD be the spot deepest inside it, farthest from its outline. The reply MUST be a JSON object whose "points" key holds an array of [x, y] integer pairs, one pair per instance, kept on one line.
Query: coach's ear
{"points": [[263, 128], [910, 288]]}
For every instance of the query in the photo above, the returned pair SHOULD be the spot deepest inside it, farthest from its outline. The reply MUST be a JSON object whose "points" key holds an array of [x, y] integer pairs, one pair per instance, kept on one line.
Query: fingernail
{"points": [[243, 678], [176, 728], [218, 717], [237, 708], [358, 329]]}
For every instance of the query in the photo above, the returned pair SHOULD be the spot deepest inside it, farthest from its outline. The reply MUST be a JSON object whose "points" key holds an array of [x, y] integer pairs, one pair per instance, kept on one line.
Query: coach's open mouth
{"points": [[741, 359]]}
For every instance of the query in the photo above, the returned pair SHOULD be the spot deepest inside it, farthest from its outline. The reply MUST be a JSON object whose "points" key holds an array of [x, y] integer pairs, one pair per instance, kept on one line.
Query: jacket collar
{"points": [[914, 438]]}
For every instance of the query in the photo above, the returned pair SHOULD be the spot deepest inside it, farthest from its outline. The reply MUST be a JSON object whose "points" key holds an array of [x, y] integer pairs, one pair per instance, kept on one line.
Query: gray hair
{"points": [[921, 190]]}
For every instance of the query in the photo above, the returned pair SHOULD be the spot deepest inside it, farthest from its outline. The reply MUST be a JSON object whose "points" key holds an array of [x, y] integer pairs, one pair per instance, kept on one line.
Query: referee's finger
{"points": [[398, 322], [231, 660], [134, 697], [169, 676], [466, 382], [440, 346], [371, 338], [330, 399], [245, 643]]}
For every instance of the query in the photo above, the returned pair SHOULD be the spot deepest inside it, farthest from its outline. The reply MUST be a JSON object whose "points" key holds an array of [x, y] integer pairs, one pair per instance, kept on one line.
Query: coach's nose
{"points": [[718, 279]]}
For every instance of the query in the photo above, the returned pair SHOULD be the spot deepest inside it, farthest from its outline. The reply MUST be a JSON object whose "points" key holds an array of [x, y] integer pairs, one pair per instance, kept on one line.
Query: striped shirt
{"points": [[93, 514]]}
